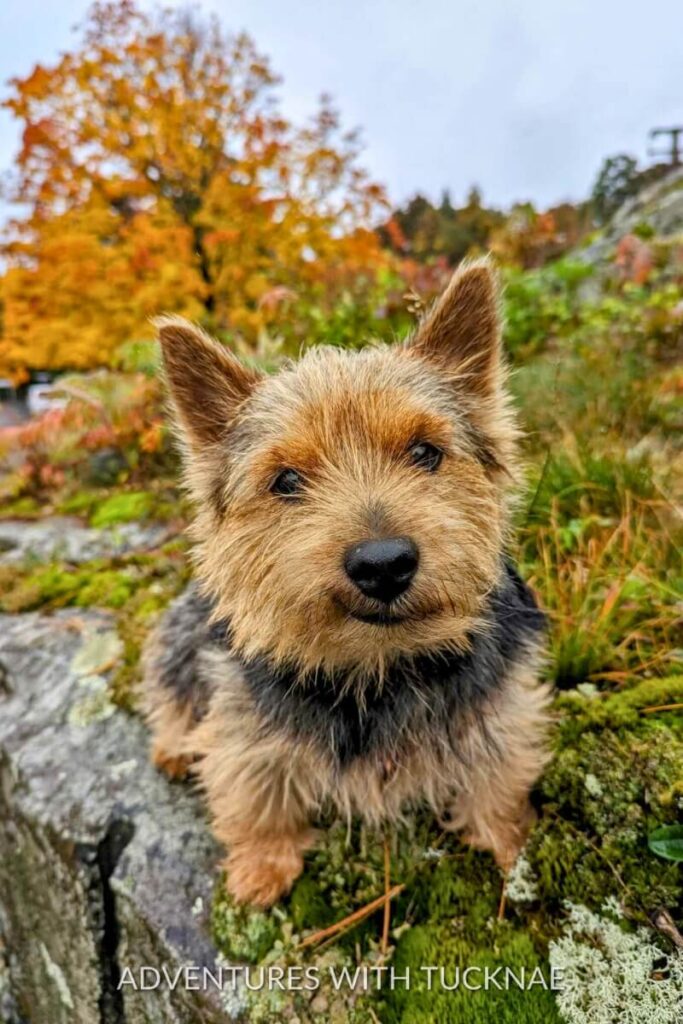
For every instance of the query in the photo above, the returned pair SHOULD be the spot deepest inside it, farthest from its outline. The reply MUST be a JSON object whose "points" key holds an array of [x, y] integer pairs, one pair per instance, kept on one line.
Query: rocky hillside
{"points": [[656, 212]]}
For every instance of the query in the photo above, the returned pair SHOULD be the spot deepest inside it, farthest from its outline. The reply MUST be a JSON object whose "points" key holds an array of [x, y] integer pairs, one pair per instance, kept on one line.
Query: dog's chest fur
{"points": [[419, 700]]}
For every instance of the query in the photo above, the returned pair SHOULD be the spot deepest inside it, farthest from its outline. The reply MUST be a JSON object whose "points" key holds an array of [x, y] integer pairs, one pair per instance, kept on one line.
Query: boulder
{"points": [[66, 539], [658, 205], [104, 865]]}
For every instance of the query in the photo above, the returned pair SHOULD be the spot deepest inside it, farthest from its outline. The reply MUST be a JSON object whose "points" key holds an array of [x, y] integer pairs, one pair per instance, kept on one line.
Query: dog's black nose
{"points": [[382, 569]]}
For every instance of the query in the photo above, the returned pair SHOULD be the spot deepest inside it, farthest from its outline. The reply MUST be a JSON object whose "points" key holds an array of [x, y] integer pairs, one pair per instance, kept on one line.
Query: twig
{"points": [[661, 707], [352, 919], [387, 906], [503, 899], [664, 923]]}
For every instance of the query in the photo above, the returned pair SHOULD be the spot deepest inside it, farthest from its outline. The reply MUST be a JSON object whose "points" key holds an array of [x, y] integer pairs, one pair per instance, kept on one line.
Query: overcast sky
{"points": [[522, 97]]}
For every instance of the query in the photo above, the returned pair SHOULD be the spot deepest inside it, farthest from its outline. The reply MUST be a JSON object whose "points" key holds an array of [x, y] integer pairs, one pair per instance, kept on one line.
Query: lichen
{"points": [[611, 973], [55, 973], [98, 652], [94, 705], [521, 882]]}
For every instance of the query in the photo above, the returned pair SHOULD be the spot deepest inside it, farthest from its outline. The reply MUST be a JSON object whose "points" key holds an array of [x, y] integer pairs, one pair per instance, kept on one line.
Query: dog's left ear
{"points": [[461, 334], [461, 337]]}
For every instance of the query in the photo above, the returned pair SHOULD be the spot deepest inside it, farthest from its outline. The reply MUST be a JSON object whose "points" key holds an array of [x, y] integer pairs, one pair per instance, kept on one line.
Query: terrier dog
{"points": [[357, 638]]}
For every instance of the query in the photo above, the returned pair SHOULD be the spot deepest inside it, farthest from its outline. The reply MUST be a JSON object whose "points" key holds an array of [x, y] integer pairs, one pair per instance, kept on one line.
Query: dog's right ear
{"points": [[207, 383]]}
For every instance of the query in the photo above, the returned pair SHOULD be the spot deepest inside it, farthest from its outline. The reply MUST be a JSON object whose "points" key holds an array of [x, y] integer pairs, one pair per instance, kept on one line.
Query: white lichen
{"points": [[612, 974], [123, 768], [432, 853], [98, 653], [95, 706], [593, 785], [521, 881]]}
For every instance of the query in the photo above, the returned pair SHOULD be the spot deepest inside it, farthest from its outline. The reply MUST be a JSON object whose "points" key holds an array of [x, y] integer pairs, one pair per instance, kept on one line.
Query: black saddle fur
{"points": [[430, 691]]}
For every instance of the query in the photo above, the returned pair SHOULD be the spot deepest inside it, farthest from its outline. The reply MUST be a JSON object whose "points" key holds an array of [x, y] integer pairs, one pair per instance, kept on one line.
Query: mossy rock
{"points": [[57, 586], [137, 587], [617, 774]]}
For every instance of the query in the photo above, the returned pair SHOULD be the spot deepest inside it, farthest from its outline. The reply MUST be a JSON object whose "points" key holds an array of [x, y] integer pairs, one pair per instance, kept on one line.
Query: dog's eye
{"points": [[287, 483], [426, 456]]}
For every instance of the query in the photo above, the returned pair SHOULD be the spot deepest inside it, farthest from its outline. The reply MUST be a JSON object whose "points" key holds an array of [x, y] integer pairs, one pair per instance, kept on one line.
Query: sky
{"points": [[523, 98]]}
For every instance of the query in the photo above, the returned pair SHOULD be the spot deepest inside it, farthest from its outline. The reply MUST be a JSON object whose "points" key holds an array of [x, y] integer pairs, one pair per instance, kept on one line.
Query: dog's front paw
{"points": [[505, 839], [259, 873], [509, 841]]}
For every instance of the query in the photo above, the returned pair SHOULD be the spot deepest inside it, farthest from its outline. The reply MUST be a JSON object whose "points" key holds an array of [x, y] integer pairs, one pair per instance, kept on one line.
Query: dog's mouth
{"points": [[386, 617], [383, 618]]}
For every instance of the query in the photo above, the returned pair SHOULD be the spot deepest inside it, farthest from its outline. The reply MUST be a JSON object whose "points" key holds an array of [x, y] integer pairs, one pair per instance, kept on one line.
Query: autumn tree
{"points": [[616, 182], [531, 238], [157, 173], [429, 232]]}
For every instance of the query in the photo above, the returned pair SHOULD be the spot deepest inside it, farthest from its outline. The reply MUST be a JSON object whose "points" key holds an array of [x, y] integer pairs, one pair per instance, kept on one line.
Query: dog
{"points": [[357, 638]]}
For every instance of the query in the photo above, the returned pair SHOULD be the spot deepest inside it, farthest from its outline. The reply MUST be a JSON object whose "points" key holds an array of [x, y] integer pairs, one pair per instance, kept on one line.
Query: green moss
{"points": [[440, 945], [56, 586], [449, 904], [21, 508], [126, 507], [243, 934], [617, 774], [622, 710], [105, 507], [82, 503]]}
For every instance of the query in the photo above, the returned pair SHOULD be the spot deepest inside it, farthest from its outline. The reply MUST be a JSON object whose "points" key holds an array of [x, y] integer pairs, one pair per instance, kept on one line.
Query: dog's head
{"points": [[351, 507]]}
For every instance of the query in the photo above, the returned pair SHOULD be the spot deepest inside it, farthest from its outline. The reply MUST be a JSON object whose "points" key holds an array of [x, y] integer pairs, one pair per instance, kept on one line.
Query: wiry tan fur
{"points": [[345, 421], [169, 721]]}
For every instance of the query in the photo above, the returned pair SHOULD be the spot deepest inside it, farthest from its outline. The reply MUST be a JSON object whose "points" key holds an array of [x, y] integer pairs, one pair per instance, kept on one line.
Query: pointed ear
{"points": [[207, 383], [462, 332]]}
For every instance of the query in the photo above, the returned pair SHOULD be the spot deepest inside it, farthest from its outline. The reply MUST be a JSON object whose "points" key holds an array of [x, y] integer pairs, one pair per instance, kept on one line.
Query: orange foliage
{"points": [[121, 411], [159, 175], [634, 259], [529, 238]]}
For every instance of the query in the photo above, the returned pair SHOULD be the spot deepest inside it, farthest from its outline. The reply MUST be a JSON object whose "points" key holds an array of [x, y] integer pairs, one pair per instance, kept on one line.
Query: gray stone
{"points": [[66, 539], [104, 865], [660, 205]]}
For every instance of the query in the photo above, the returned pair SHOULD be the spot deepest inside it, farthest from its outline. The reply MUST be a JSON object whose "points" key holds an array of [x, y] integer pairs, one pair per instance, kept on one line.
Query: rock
{"points": [[66, 539], [659, 205], [104, 865]]}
